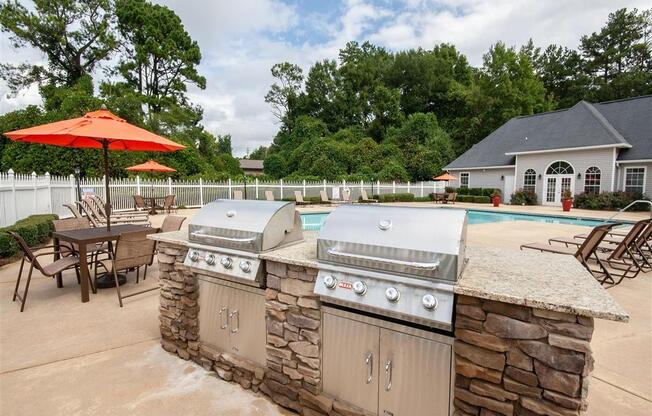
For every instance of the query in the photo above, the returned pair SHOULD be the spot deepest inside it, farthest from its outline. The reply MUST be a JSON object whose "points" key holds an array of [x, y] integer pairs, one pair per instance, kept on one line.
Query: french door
{"points": [[555, 186]]}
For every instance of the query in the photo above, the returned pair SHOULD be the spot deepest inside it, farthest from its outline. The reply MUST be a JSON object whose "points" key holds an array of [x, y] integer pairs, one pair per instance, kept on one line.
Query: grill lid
{"points": [[417, 242], [247, 225]]}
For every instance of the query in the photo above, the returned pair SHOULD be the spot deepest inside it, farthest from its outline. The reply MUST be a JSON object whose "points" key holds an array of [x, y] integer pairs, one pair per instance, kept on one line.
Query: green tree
{"points": [[561, 71], [259, 153], [283, 93], [224, 145], [74, 35]]}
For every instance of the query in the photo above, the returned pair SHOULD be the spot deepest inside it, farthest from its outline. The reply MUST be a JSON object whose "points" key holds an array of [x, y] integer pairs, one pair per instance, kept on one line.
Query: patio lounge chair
{"points": [[324, 198], [75, 212], [365, 198], [99, 220], [132, 251], [139, 203], [439, 197], [298, 198], [49, 270], [237, 194], [99, 206], [450, 197], [172, 223], [269, 195], [583, 253]]}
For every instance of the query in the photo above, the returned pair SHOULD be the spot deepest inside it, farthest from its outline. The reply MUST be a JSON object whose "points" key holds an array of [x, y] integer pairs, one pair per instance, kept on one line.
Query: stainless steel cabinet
{"points": [[386, 368], [232, 318]]}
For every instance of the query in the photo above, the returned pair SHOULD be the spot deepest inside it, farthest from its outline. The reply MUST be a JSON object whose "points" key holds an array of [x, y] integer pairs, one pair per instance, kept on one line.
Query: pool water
{"points": [[314, 221]]}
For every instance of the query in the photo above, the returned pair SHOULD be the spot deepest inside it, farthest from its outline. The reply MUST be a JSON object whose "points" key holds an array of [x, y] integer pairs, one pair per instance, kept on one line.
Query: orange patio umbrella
{"points": [[100, 130], [444, 177], [151, 166]]}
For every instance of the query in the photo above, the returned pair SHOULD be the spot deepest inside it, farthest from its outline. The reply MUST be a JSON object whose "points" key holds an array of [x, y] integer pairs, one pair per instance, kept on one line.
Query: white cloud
{"points": [[241, 40]]}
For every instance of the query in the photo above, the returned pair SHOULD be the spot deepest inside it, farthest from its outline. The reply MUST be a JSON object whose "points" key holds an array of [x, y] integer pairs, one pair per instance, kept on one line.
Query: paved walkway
{"points": [[62, 357]]}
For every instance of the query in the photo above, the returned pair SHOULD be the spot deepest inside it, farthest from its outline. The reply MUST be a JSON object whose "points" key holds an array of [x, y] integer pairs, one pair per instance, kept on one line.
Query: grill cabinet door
{"points": [[247, 325], [213, 314], [415, 375], [350, 361]]}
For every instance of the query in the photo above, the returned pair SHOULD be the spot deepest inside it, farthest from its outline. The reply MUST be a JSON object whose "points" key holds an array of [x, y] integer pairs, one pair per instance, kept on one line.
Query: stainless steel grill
{"points": [[395, 261], [226, 237]]}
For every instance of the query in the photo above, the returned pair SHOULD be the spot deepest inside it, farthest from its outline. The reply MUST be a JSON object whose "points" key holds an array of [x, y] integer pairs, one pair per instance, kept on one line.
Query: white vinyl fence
{"points": [[23, 195]]}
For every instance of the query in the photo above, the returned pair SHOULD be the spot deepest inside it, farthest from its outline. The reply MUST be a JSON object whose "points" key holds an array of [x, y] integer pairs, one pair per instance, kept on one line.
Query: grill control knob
{"points": [[245, 266], [210, 259], [226, 262], [429, 302], [360, 288], [392, 294], [194, 256], [329, 281]]}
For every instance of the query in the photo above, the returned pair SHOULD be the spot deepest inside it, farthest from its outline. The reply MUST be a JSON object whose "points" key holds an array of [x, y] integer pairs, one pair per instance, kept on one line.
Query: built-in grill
{"points": [[397, 262], [226, 237]]}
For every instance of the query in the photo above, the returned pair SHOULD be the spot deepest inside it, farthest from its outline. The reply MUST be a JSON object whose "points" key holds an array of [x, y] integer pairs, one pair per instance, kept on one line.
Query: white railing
{"points": [[23, 195]]}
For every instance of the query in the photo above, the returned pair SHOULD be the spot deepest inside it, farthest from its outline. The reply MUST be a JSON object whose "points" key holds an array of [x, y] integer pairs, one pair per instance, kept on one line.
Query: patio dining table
{"points": [[82, 238]]}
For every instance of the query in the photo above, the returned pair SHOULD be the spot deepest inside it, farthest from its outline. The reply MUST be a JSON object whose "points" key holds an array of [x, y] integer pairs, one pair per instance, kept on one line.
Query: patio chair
{"points": [[439, 197], [74, 210], [49, 270], [324, 198], [450, 197], [237, 194], [132, 251], [99, 206], [168, 202], [365, 198], [269, 195], [68, 249], [139, 203], [172, 223], [583, 253], [298, 197], [99, 220]]}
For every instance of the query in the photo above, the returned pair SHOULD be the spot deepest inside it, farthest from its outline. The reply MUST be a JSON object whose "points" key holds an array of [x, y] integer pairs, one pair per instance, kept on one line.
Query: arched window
{"points": [[560, 168], [592, 180], [529, 180]]}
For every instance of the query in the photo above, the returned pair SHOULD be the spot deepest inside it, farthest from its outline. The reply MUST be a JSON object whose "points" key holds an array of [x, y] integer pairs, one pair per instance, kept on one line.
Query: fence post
{"points": [[201, 192], [393, 187], [137, 184], [73, 189], [169, 186], [230, 188], [12, 180], [281, 189], [377, 187], [35, 189], [421, 189], [361, 187], [304, 188], [256, 182], [324, 185], [49, 185], [408, 187]]}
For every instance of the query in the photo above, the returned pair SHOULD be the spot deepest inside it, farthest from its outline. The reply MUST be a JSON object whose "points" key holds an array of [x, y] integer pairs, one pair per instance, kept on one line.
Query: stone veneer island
{"points": [[523, 327]]}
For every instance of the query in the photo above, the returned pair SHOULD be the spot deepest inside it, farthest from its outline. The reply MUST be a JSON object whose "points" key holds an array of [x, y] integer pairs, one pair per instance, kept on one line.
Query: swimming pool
{"points": [[314, 221]]}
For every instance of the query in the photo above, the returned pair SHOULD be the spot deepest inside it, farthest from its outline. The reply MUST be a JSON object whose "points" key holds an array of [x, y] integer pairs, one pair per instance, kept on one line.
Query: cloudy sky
{"points": [[241, 40]]}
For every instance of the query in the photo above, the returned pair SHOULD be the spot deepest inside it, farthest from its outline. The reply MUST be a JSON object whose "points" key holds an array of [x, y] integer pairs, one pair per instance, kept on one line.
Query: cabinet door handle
{"points": [[369, 361], [388, 375], [222, 314], [235, 314]]}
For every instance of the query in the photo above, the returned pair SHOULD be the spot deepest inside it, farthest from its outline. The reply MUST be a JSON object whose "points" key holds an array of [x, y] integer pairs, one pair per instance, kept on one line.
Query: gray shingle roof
{"points": [[622, 123], [251, 164]]}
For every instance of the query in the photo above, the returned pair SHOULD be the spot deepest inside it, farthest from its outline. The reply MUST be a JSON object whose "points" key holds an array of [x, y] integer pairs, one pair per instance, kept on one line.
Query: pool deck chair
{"points": [[298, 197], [365, 197], [583, 253], [237, 194], [269, 195], [324, 198]]}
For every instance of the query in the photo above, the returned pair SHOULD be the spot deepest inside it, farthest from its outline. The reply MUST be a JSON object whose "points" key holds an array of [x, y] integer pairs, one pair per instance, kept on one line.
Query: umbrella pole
{"points": [[105, 150]]}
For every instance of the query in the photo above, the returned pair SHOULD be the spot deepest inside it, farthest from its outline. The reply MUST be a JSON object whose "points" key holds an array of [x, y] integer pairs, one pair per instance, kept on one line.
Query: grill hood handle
{"points": [[413, 264], [248, 240]]}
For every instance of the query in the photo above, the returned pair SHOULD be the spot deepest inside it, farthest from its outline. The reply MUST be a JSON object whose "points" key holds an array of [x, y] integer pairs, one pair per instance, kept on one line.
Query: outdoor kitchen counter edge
{"points": [[538, 280]]}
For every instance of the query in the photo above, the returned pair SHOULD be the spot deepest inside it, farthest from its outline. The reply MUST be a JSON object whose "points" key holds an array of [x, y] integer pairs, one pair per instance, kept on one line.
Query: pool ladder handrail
{"points": [[620, 211]]}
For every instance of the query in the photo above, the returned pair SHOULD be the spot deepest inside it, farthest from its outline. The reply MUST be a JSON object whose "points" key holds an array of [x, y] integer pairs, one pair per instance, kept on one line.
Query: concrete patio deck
{"points": [[62, 357]]}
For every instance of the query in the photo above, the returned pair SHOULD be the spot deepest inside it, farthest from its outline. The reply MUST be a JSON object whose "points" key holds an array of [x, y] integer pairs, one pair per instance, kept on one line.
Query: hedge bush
{"points": [[402, 197], [522, 197], [481, 199], [465, 198], [609, 201], [34, 229]]}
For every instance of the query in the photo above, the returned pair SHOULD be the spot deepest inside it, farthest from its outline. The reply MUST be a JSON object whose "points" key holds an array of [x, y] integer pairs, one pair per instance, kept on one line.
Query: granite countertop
{"points": [[539, 280]]}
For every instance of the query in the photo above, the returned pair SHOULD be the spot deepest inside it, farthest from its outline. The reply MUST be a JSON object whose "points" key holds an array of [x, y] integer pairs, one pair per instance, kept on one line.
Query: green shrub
{"points": [[423, 199], [481, 199], [463, 191], [522, 197], [403, 197], [450, 189], [34, 229], [475, 191], [465, 198], [609, 201]]}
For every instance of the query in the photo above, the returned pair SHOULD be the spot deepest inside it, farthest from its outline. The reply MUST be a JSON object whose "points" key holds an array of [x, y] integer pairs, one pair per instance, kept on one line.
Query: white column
{"points": [[230, 188], [48, 180], [304, 188], [281, 189], [201, 192], [256, 183]]}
